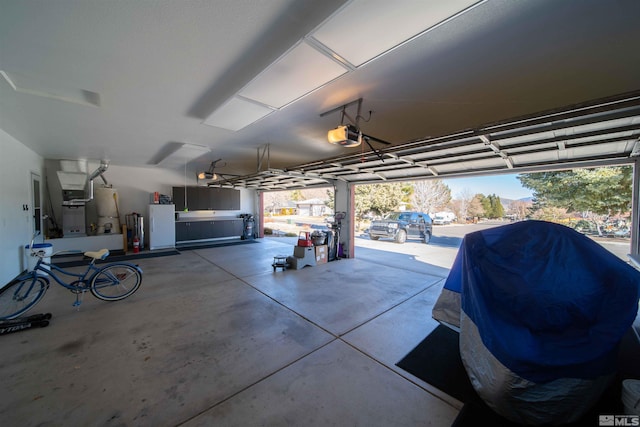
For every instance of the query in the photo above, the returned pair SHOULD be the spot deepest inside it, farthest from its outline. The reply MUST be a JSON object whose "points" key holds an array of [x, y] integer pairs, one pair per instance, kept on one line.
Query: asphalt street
{"points": [[446, 240], [442, 249]]}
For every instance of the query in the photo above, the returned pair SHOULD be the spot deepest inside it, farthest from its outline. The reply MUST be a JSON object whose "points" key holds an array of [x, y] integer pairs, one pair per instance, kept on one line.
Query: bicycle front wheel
{"points": [[18, 297], [116, 281]]}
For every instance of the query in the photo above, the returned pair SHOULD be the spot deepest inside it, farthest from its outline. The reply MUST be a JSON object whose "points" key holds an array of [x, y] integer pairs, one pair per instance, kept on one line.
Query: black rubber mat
{"points": [[436, 360]]}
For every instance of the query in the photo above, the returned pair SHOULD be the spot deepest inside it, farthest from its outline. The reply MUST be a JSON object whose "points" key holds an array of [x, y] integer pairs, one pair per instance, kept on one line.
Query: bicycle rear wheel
{"points": [[18, 297], [116, 281]]}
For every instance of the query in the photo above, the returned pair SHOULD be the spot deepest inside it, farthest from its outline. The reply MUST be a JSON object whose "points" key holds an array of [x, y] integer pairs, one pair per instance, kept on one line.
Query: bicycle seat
{"points": [[101, 254]]}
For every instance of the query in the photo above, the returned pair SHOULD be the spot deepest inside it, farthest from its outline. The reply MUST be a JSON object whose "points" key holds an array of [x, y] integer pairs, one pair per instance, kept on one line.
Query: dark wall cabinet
{"points": [[178, 198], [224, 199], [189, 230], [205, 198], [200, 230]]}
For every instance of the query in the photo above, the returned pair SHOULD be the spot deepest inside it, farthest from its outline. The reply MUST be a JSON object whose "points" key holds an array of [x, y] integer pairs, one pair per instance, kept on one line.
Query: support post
{"points": [[635, 209], [344, 202]]}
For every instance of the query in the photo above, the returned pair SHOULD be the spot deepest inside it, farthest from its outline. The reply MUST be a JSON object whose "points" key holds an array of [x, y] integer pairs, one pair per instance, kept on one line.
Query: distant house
{"points": [[313, 207], [288, 208]]}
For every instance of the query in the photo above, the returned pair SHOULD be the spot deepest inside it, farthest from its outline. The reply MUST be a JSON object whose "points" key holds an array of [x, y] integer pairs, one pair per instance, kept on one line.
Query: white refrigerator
{"points": [[162, 226]]}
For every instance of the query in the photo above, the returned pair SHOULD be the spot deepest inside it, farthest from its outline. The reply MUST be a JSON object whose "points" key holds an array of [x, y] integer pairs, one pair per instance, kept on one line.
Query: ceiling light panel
{"points": [[237, 113], [365, 29], [46, 89], [183, 154], [298, 72]]}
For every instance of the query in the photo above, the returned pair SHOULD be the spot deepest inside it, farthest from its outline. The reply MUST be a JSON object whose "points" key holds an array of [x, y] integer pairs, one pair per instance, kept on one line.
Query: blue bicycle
{"points": [[111, 282]]}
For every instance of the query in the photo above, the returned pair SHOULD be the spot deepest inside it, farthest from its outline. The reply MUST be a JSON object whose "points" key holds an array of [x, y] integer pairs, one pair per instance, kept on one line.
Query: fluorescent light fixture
{"points": [[183, 154], [365, 29], [26, 84], [345, 135], [237, 113], [298, 72]]}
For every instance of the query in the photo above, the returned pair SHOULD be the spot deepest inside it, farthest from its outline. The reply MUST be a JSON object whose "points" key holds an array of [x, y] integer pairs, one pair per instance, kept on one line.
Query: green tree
{"points": [[474, 208], [605, 190], [491, 205], [497, 209], [331, 199], [380, 198], [485, 203]]}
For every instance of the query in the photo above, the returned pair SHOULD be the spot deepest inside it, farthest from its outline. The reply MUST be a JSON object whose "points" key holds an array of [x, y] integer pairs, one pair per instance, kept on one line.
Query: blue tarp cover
{"points": [[548, 301]]}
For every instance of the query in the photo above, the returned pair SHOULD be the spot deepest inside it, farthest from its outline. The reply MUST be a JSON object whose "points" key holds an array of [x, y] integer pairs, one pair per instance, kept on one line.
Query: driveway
{"points": [[440, 252], [446, 240]]}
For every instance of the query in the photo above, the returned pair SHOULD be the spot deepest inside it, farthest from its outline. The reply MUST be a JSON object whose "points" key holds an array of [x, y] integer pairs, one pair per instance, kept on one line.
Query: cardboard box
{"points": [[322, 252]]}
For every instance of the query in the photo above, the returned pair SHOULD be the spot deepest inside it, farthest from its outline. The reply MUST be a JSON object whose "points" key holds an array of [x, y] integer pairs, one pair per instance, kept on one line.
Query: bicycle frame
{"points": [[113, 281], [81, 278]]}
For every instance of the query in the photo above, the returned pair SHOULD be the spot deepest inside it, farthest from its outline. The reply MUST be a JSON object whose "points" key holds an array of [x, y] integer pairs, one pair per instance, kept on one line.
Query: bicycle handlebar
{"points": [[31, 251]]}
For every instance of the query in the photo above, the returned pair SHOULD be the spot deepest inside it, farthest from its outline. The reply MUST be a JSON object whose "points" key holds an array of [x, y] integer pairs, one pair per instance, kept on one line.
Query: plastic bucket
{"points": [[47, 248], [631, 397]]}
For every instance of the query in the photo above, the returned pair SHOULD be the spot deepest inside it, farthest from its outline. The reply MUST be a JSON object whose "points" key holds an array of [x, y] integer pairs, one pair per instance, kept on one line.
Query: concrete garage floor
{"points": [[216, 337]]}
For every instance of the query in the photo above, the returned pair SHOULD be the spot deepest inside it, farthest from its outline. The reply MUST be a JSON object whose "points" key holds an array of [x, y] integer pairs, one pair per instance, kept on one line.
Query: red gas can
{"points": [[304, 239]]}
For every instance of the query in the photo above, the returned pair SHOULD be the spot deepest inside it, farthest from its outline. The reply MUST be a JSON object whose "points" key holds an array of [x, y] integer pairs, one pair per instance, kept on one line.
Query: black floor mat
{"points": [[191, 246], [436, 361], [78, 260]]}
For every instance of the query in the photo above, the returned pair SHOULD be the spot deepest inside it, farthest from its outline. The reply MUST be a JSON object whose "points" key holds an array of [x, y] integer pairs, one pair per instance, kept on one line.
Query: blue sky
{"points": [[506, 186]]}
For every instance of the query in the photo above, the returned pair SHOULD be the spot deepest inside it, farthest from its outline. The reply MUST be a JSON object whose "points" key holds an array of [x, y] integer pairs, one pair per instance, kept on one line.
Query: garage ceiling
{"points": [[482, 87], [606, 132]]}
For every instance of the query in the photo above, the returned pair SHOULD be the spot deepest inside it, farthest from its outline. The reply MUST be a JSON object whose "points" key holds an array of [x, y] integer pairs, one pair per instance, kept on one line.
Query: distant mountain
{"points": [[506, 201]]}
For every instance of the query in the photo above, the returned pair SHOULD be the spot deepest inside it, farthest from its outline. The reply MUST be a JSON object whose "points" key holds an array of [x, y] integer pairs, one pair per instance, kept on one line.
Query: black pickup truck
{"points": [[401, 226]]}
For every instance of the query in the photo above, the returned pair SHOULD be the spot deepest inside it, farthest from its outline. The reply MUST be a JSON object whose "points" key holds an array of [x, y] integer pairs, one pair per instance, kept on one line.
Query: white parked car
{"points": [[443, 218]]}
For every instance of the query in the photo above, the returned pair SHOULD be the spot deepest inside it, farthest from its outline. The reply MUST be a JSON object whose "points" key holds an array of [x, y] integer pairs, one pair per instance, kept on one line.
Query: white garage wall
{"points": [[17, 162], [134, 186]]}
